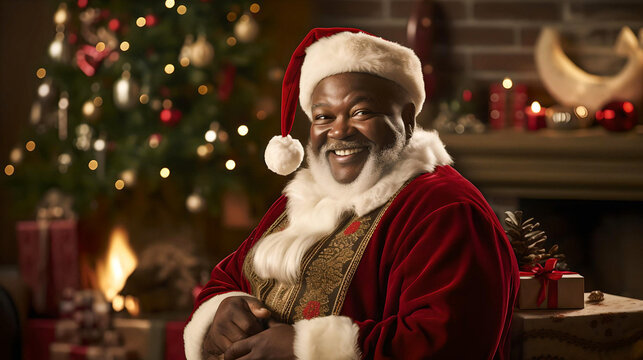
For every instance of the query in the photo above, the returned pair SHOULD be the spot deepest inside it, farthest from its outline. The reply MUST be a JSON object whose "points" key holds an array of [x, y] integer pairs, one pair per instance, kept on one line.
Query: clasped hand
{"points": [[243, 329]]}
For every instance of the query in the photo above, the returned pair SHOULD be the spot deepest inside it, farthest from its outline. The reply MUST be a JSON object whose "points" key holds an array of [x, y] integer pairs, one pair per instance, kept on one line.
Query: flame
{"points": [[119, 262], [535, 107]]}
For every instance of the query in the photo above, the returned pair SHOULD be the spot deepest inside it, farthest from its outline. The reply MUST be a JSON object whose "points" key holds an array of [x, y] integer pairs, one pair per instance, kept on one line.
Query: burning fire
{"points": [[117, 265]]}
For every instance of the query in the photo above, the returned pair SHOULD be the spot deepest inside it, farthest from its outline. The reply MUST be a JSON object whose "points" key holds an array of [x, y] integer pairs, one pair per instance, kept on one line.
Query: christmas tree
{"points": [[168, 101]]}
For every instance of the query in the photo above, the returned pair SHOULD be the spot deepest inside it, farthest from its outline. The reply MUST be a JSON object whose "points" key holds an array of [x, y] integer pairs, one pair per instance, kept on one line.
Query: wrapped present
{"points": [[38, 334], [507, 105], [174, 349], [143, 338], [542, 287], [65, 351], [610, 329], [48, 258]]}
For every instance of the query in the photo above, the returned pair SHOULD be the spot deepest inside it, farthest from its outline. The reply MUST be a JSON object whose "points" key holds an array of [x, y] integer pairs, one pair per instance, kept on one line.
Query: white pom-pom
{"points": [[283, 154]]}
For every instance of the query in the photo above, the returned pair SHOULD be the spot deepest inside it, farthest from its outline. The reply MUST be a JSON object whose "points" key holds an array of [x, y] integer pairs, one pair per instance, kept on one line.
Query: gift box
{"points": [[610, 329], [65, 351], [142, 338], [38, 335], [545, 288], [507, 106], [174, 348], [48, 259]]}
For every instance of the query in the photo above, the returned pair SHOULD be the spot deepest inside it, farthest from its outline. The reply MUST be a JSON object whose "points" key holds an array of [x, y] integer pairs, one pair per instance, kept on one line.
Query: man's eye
{"points": [[361, 112], [321, 117]]}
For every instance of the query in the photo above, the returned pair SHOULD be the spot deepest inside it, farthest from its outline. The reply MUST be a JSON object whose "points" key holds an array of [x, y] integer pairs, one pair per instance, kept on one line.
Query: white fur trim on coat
{"points": [[283, 155], [359, 52], [195, 330], [313, 211], [329, 337]]}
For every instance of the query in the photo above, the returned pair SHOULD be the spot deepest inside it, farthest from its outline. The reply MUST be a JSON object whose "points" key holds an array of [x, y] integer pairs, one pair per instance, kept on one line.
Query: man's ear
{"points": [[408, 118]]}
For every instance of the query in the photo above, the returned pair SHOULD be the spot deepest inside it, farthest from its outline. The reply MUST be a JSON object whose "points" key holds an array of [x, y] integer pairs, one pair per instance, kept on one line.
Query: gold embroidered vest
{"points": [[326, 270]]}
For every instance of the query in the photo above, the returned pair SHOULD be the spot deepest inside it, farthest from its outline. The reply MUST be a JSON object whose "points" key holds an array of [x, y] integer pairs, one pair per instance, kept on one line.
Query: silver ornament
{"points": [[246, 29], [125, 92]]}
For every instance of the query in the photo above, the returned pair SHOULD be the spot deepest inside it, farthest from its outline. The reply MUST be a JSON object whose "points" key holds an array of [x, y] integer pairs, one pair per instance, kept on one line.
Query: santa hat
{"points": [[326, 52]]}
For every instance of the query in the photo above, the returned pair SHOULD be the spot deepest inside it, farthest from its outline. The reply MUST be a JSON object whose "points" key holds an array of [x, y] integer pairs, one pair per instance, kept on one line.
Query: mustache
{"points": [[341, 144]]}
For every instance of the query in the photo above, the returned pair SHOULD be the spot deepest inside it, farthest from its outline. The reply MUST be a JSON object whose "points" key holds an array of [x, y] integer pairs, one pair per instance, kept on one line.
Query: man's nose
{"points": [[341, 128]]}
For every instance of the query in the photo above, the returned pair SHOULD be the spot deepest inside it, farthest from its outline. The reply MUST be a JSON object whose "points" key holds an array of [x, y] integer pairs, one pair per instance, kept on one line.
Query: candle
{"points": [[535, 116]]}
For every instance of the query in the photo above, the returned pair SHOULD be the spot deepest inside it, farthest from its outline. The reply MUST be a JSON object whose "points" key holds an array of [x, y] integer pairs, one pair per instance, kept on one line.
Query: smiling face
{"points": [[355, 117]]}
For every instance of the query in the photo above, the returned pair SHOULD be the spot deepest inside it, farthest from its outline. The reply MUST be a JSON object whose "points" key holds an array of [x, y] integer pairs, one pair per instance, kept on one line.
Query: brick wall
{"points": [[482, 41]]}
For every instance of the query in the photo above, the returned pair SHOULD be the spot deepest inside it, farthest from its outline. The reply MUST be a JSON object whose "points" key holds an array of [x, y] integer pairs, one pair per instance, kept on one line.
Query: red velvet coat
{"points": [[438, 279]]}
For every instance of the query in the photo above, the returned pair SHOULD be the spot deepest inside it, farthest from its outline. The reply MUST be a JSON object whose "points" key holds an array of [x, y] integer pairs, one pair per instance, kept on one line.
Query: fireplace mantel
{"points": [[587, 164]]}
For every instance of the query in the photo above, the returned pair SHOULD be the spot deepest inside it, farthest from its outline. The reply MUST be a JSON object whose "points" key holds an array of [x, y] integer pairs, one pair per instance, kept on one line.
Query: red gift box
{"points": [[174, 348], [507, 106], [542, 287], [48, 258]]}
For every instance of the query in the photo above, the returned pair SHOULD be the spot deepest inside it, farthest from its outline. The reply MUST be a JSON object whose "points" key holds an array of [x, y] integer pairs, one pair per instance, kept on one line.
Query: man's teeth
{"points": [[345, 152]]}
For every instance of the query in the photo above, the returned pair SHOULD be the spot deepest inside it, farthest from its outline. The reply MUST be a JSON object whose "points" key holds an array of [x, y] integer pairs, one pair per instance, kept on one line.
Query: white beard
{"points": [[317, 203], [378, 163]]}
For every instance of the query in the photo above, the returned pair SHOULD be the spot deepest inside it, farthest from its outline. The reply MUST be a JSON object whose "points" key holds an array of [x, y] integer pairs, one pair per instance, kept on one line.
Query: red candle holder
{"points": [[535, 116]]}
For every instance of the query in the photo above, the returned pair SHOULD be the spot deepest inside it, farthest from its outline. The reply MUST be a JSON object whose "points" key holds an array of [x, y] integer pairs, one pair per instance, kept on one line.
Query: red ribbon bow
{"points": [[548, 278]]}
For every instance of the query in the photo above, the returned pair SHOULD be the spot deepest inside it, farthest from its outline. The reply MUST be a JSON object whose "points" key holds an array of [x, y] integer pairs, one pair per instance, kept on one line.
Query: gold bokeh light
{"points": [[92, 165], [30, 145]]}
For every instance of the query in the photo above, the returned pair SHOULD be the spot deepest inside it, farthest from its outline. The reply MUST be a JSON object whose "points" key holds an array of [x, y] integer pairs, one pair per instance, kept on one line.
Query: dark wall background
{"points": [[25, 32]]}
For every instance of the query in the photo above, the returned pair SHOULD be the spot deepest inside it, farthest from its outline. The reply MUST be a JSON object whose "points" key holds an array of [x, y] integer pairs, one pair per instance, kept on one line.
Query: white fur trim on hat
{"points": [[283, 155], [195, 331], [328, 337], [360, 52]]}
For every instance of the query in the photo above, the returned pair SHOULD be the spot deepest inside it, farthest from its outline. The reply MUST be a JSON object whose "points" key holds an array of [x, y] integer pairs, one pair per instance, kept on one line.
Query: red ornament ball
{"points": [[617, 116], [82, 3], [170, 116], [114, 25], [151, 20]]}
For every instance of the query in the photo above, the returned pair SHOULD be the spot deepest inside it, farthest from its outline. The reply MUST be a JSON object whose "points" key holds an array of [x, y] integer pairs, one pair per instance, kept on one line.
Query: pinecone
{"points": [[528, 242]]}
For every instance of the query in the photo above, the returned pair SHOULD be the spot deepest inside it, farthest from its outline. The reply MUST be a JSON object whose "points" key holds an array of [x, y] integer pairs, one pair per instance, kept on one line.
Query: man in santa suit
{"points": [[379, 248]]}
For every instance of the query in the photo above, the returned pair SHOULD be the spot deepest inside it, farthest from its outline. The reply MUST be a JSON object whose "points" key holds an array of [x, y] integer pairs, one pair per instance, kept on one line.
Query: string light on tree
{"points": [[41, 73], [195, 203], [9, 170], [128, 177], [254, 8], [204, 150], [231, 16], [169, 4], [203, 89], [230, 164], [242, 130], [64, 161], [58, 49], [140, 21], [169, 68], [90, 110], [44, 90], [61, 15], [165, 172], [154, 141], [16, 155], [181, 9], [210, 135], [124, 46], [30, 145], [99, 145], [119, 184], [92, 165]]}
